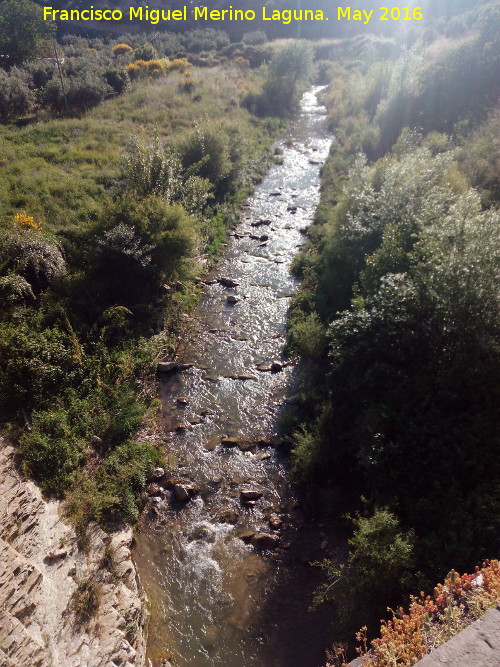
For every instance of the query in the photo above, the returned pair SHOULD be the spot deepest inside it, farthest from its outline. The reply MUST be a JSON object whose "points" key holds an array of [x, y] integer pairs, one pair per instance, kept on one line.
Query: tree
{"points": [[288, 67], [23, 31]]}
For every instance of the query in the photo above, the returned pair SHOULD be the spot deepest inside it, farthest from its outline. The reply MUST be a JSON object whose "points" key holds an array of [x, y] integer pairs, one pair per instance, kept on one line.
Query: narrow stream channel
{"points": [[216, 599]]}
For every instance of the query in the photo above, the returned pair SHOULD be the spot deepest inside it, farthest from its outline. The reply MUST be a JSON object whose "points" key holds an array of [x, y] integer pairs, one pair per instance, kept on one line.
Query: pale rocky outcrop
{"points": [[40, 567]]}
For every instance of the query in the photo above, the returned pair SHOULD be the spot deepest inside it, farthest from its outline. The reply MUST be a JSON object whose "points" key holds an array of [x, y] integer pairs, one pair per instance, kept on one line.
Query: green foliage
{"points": [[196, 41], [36, 361], [51, 450], [31, 255], [76, 378], [117, 79], [289, 66], [403, 278], [16, 97], [254, 38], [378, 567], [480, 159], [145, 52], [289, 69], [207, 150], [157, 169], [83, 91], [116, 486], [23, 32], [141, 245]]}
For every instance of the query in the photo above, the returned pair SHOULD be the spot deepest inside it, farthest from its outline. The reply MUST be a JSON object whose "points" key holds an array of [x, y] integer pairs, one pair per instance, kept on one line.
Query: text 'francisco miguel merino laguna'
{"points": [[155, 16]]}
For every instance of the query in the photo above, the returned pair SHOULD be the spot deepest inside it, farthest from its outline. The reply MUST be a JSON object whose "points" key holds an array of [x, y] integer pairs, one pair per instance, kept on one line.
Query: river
{"points": [[217, 599]]}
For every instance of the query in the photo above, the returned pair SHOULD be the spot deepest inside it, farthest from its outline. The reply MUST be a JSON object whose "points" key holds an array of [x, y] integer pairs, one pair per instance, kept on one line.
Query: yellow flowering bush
{"points": [[145, 68], [25, 221], [121, 49], [178, 65]]}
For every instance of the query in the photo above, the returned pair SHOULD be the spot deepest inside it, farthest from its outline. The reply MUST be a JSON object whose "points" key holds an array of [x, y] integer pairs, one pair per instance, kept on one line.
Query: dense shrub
{"points": [[117, 79], [178, 65], [16, 97], [51, 450], [207, 39], [145, 52], [37, 362], [140, 246], [208, 148], [157, 169], [378, 567], [28, 253], [254, 37], [289, 67], [83, 91]]}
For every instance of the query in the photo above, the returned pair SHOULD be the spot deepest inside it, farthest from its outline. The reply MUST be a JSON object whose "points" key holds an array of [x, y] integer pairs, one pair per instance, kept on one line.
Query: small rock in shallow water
{"points": [[232, 299], [275, 522], [250, 494], [246, 535], [265, 540], [182, 400], [264, 366], [184, 491], [167, 366], [230, 442], [276, 366], [228, 282]]}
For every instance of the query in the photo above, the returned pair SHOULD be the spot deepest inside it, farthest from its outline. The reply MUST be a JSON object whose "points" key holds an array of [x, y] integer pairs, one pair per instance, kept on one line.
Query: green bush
{"points": [[254, 38], [33, 256], [206, 39], [16, 97], [37, 362], [117, 79], [207, 149], [51, 450], [289, 67], [157, 169], [83, 91], [145, 52], [379, 566], [141, 245]]}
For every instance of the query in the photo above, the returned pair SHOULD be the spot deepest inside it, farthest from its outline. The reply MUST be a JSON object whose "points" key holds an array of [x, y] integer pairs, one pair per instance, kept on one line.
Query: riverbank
{"points": [[59, 606]]}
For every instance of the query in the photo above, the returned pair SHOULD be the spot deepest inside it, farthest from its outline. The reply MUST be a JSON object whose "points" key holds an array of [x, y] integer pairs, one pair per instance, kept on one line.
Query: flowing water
{"points": [[217, 600]]}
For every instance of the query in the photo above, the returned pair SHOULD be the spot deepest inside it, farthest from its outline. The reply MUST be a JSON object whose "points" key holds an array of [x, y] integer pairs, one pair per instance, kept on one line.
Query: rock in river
{"points": [[250, 494], [167, 366], [230, 442], [183, 491], [265, 540], [228, 282]]}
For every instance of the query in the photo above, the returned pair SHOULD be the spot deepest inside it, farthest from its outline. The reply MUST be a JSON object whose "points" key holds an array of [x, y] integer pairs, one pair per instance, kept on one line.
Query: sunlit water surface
{"points": [[215, 600]]}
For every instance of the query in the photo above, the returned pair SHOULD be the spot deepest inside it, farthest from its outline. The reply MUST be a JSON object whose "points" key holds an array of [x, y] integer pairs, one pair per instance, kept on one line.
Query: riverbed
{"points": [[219, 594]]}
